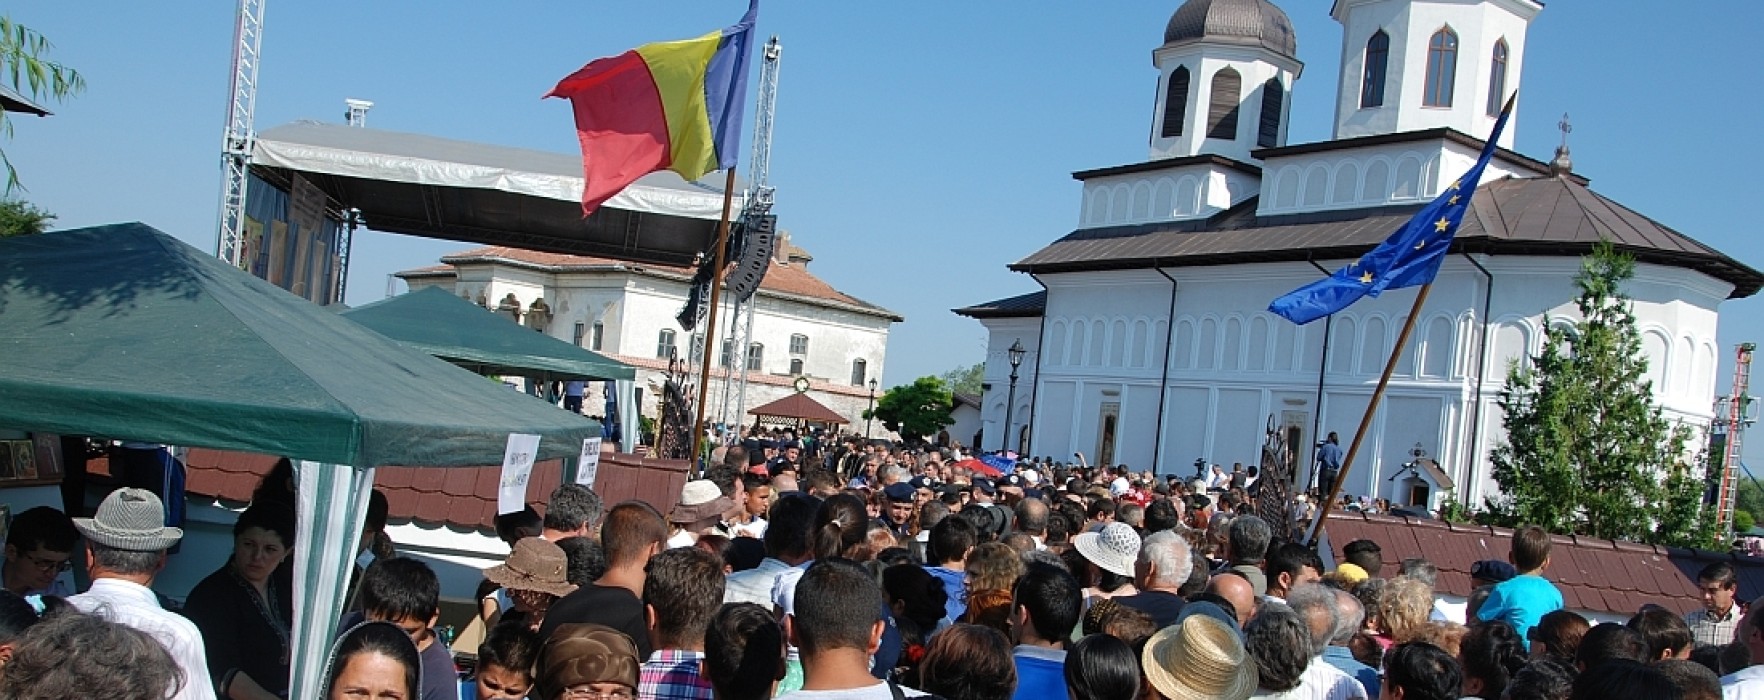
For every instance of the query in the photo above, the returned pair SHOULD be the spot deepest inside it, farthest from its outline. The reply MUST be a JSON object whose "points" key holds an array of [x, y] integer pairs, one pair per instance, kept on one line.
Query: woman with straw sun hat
{"points": [[536, 575], [1199, 658]]}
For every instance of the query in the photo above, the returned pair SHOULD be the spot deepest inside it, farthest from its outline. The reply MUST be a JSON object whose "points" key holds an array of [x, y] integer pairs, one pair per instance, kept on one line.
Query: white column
{"points": [[332, 501]]}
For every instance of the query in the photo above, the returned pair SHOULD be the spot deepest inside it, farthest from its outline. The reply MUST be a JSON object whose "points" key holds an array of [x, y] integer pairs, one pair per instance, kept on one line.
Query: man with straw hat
{"points": [[535, 576], [1198, 658], [126, 543]]}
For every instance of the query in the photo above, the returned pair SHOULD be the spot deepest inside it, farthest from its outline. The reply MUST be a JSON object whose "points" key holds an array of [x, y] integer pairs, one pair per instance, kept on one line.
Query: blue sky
{"points": [[920, 146]]}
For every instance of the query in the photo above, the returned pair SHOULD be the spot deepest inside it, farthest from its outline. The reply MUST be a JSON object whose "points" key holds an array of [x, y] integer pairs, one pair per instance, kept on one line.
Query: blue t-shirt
{"points": [[1041, 673], [955, 583], [1521, 601]]}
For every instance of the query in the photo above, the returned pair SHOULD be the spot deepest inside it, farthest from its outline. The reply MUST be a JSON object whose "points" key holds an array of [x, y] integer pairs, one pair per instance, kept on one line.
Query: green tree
{"points": [[1587, 451], [965, 380], [915, 410], [21, 218], [24, 63]]}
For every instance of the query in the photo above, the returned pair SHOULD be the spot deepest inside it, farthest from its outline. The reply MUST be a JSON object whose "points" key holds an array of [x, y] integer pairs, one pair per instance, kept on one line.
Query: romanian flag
{"points": [[670, 105]]}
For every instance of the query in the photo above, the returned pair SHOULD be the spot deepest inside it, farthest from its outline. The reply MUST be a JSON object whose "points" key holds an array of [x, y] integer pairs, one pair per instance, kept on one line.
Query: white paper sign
{"points": [[517, 466], [589, 463]]}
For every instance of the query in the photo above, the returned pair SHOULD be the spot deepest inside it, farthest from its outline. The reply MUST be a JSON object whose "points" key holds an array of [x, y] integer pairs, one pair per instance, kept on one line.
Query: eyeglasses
{"points": [[48, 565], [591, 694]]}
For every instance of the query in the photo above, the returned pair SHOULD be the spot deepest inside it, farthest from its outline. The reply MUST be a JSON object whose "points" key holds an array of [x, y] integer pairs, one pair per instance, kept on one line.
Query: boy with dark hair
{"points": [[950, 541], [1666, 634], [1365, 554], [1290, 565], [406, 593], [787, 546], [39, 546], [633, 532], [1526, 598], [1421, 671], [836, 622], [681, 592], [744, 652], [1046, 603]]}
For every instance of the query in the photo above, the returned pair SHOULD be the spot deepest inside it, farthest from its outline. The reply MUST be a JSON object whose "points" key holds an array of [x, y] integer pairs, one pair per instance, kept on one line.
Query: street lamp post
{"points": [[1015, 354], [870, 415]]}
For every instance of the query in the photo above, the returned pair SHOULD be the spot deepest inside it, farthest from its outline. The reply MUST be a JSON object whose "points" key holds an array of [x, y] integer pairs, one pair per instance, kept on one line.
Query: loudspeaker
{"points": [[754, 259]]}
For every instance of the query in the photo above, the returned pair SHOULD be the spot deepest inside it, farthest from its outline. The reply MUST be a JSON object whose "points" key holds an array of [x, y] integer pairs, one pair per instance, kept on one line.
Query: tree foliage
{"points": [[1587, 451], [965, 380], [915, 410], [24, 62], [21, 218]]}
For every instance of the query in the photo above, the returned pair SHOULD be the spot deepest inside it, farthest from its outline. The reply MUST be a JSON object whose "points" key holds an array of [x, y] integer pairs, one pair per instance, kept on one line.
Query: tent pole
{"points": [[710, 323], [1347, 462], [332, 504]]}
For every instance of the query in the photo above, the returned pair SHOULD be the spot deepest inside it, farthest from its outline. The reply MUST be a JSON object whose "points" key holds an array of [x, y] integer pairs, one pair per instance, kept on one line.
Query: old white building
{"points": [[802, 328], [1152, 345]]}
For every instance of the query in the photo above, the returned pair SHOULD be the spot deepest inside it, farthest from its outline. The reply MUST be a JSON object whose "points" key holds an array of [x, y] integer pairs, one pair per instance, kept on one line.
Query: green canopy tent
{"points": [[125, 332], [468, 335]]}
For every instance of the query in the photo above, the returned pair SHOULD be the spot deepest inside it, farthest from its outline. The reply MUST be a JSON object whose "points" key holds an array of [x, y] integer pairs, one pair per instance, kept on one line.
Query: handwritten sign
{"points": [[589, 463], [517, 467]]}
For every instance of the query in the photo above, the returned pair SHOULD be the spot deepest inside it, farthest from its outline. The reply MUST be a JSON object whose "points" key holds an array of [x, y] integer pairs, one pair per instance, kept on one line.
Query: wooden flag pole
{"points": [[710, 322], [1366, 420]]}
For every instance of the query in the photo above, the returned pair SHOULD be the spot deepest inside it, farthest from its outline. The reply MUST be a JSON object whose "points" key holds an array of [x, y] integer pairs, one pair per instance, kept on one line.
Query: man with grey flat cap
{"points": [[126, 543]]}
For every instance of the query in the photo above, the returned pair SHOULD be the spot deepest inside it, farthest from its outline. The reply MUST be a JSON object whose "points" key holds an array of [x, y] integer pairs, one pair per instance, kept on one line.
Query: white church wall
{"points": [[1397, 173], [1174, 194], [1001, 334]]}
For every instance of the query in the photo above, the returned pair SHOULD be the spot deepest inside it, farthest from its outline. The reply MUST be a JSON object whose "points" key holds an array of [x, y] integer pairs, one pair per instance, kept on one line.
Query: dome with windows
{"points": [[1257, 22]]}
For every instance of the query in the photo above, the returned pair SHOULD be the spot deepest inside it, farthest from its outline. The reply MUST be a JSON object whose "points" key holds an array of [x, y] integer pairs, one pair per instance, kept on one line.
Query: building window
{"points": [[859, 369], [1497, 79], [726, 356], [598, 335], [1176, 102], [1273, 99], [1442, 68], [1222, 111], [580, 332], [796, 367], [1377, 61], [664, 345], [756, 356], [799, 344]]}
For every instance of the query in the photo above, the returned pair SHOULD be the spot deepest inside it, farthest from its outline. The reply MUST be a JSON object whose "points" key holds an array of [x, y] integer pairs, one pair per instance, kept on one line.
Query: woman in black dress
{"points": [[245, 613]]}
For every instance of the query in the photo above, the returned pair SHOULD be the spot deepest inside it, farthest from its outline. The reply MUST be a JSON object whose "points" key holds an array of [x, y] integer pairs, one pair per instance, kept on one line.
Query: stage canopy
{"points": [[457, 190], [798, 407], [473, 337]]}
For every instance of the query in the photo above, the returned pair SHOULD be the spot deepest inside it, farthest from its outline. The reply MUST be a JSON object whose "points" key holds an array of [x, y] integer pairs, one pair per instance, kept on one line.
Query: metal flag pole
{"points": [[1347, 462], [710, 323]]}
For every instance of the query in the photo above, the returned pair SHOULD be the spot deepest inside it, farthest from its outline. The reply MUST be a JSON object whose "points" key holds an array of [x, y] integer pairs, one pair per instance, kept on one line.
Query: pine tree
{"points": [[1587, 451]]}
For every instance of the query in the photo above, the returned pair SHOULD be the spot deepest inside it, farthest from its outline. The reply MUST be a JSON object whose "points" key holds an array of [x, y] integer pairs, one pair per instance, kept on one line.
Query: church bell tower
{"points": [[1225, 75]]}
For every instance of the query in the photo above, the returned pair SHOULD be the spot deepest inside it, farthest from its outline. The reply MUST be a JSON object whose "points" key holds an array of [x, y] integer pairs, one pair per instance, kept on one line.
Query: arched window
{"points": [[756, 355], [664, 344], [1497, 79], [1222, 111], [1377, 61], [1176, 102], [1442, 68], [1273, 99], [859, 369]]}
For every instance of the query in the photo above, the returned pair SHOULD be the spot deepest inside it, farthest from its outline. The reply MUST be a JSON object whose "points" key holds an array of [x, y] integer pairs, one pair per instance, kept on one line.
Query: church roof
{"points": [[1511, 216], [782, 279], [1245, 21], [1021, 306]]}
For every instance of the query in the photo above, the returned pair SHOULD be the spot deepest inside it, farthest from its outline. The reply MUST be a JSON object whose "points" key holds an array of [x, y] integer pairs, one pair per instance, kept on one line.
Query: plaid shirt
{"points": [[672, 674], [1707, 628]]}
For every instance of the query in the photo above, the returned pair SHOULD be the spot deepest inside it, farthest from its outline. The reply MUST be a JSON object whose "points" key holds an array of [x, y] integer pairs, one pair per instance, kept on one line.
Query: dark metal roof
{"points": [[1166, 163], [12, 101], [1511, 216], [1022, 306], [1250, 21], [1597, 575]]}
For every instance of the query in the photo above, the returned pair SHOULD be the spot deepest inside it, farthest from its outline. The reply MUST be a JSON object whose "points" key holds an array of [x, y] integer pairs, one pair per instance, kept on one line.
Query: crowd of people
{"points": [[858, 572]]}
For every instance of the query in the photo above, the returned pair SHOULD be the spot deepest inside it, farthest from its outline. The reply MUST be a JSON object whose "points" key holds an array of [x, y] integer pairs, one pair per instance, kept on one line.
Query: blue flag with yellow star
{"points": [[1410, 257]]}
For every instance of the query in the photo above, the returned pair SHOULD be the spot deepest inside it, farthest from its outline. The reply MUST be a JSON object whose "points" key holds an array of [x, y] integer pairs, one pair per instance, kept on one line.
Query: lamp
{"points": [[870, 415], [1015, 355]]}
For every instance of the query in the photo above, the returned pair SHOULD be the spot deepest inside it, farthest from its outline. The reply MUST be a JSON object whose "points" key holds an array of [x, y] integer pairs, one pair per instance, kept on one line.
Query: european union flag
{"points": [[1410, 257]]}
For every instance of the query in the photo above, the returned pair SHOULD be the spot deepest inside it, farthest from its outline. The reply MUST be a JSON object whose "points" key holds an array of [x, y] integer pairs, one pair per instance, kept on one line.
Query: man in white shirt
{"points": [[126, 542], [787, 547], [1748, 683]]}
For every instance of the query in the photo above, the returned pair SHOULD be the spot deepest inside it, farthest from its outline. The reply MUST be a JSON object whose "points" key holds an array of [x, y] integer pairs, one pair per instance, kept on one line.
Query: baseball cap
{"points": [[1493, 570]]}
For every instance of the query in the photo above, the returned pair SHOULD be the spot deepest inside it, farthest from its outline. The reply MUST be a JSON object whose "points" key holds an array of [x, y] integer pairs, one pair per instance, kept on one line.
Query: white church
{"points": [[1151, 344]]}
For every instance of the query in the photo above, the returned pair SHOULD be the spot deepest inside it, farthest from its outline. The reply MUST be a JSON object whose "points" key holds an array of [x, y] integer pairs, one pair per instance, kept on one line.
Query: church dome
{"points": [[1247, 21]]}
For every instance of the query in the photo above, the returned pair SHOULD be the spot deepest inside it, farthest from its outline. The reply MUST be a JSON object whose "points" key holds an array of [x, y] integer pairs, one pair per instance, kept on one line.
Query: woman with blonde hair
{"points": [[992, 568], [1403, 610]]}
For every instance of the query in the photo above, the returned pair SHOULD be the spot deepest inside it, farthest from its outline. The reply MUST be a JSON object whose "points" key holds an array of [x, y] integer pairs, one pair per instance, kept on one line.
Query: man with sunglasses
{"points": [[39, 547]]}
